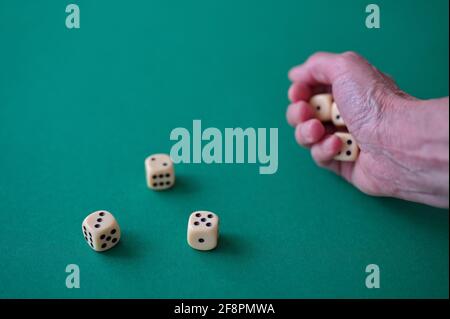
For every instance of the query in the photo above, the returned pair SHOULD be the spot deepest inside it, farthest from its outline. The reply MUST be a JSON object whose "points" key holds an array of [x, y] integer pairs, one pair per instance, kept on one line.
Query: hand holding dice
{"points": [[325, 109]]}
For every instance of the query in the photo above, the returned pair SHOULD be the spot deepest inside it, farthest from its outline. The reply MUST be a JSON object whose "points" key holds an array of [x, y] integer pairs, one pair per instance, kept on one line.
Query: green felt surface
{"points": [[81, 109]]}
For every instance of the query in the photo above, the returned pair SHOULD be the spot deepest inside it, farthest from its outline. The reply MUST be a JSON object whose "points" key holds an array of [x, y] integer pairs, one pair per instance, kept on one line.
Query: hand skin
{"points": [[404, 141]]}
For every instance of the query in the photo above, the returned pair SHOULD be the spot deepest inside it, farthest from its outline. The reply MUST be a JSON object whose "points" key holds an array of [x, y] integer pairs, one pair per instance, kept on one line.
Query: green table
{"points": [[80, 110]]}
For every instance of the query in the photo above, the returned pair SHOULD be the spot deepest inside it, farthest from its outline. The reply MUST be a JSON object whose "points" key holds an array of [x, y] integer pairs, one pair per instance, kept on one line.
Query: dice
{"points": [[160, 172], [336, 117], [101, 230], [325, 110], [350, 149], [203, 230], [321, 104]]}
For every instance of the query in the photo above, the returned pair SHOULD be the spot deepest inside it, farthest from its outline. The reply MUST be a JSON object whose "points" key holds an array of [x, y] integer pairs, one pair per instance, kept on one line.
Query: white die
{"points": [[101, 230], [349, 151], [203, 230], [321, 104], [160, 172], [336, 117]]}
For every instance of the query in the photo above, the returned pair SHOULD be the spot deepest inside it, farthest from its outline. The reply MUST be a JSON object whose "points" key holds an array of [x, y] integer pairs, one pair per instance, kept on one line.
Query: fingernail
{"points": [[292, 114], [331, 143], [305, 131]]}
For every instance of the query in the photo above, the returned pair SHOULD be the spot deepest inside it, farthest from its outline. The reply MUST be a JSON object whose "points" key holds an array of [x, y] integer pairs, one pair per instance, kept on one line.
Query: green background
{"points": [[81, 109]]}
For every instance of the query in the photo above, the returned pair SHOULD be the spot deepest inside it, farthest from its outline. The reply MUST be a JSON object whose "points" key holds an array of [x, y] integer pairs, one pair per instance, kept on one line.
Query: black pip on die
{"points": [[159, 171], [203, 230], [101, 230], [349, 151]]}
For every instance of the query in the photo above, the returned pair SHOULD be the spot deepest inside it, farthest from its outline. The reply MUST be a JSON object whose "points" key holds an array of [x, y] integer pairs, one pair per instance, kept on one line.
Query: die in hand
{"points": [[321, 104], [349, 151], [336, 117], [326, 110]]}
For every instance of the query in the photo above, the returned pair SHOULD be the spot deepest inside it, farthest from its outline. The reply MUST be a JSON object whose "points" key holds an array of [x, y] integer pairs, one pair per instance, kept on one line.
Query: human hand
{"points": [[404, 142]]}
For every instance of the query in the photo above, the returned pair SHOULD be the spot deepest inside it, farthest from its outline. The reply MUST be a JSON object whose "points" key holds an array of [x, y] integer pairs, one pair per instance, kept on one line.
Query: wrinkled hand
{"points": [[404, 141]]}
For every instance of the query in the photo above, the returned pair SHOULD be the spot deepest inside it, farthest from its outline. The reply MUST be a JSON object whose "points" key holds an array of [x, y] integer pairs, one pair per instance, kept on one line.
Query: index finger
{"points": [[320, 68]]}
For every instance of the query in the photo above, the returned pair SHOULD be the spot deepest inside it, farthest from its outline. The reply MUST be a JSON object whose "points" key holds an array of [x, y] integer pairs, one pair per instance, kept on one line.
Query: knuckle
{"points": [[351, 55], [342, 62], [347, 59], [316, 56]]}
